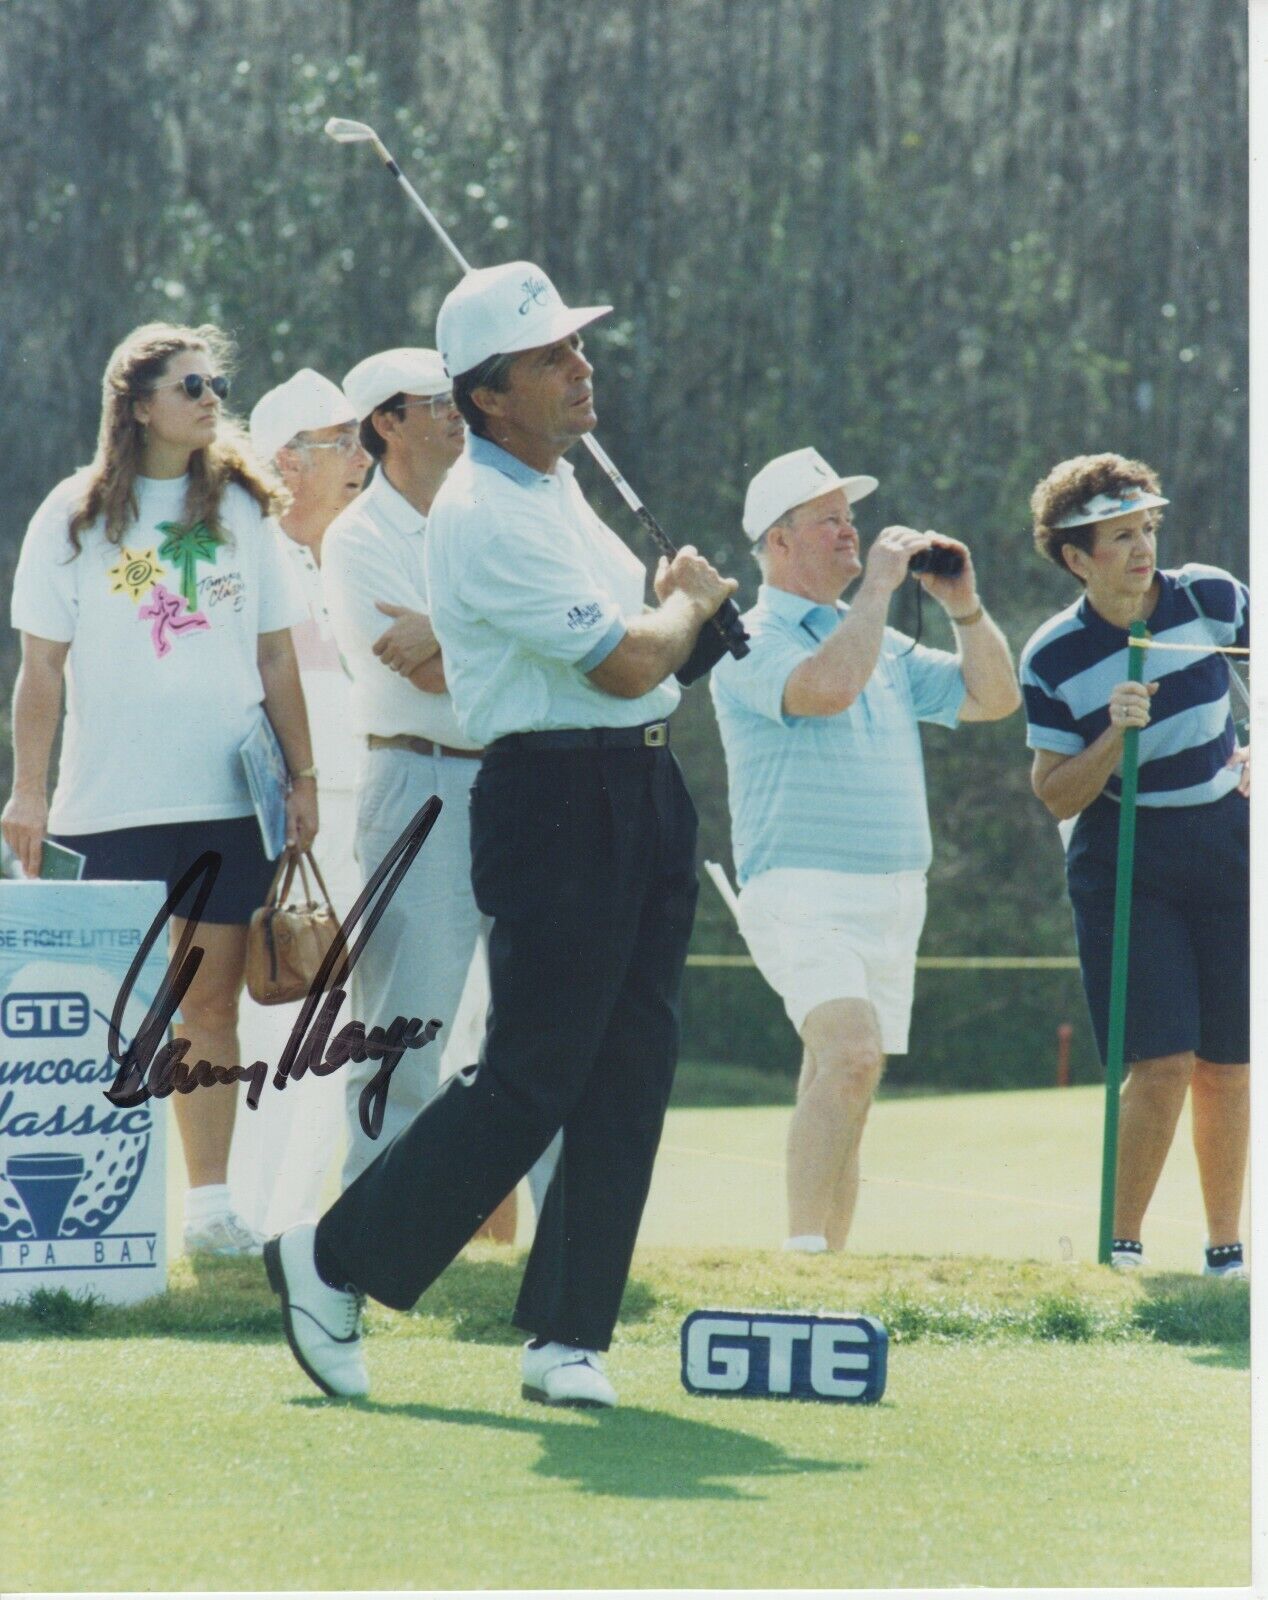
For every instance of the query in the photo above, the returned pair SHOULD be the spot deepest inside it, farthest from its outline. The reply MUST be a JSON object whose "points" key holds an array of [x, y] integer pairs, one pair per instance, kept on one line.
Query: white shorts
{"points": [[818, 936]]}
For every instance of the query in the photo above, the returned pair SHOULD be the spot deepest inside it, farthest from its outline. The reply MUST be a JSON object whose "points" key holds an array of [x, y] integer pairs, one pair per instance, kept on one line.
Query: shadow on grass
{"points": [[478, 1299], [1235, 1358], [632, 1452]]}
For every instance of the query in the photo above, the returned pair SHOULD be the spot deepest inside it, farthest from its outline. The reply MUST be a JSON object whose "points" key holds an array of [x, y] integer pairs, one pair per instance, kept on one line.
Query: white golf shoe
{"points": [[562, 1375], [323, 1325], [224, 1234]]}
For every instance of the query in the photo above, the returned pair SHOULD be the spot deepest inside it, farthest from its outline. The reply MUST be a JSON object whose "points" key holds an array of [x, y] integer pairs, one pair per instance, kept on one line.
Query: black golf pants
{"points": [[585, 861]]}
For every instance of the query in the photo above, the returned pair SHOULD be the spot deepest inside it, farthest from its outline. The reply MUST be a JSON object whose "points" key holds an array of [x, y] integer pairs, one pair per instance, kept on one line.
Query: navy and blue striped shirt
{"points": [[1074, 660]]}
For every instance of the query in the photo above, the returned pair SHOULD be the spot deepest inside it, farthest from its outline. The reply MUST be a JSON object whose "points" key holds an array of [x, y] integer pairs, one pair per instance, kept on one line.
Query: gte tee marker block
{"points": [[785, 1355]]}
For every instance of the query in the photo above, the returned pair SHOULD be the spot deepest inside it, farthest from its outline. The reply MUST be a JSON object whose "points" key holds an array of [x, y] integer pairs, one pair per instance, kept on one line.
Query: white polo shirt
{"points": [[530, 590], [326, 682], [373, 550]]}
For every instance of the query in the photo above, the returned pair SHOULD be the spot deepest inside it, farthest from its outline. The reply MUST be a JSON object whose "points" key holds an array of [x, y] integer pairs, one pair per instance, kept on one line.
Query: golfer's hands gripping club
{"points": [[709, 594], [696, 579]]}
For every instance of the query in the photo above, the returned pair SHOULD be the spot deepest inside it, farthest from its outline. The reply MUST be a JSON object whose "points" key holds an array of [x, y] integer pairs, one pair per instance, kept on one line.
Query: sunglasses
{"points": [[193, 384]]}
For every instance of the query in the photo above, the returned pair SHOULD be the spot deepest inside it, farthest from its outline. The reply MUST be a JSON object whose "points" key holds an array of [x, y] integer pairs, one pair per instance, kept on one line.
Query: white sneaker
{"points": [[323, 1325], [562, 1375], [1127, 1261], [1229, 1269], [224, 1234]]}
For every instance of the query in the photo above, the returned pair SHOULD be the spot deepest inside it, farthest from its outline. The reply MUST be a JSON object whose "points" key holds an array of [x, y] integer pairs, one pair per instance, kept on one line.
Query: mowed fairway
{"points": [[1012, 1174], [1028, 1436]]}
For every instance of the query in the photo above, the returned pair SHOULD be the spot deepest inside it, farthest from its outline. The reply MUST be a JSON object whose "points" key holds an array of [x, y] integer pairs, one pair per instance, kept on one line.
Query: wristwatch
{"points": [[308, 772]]}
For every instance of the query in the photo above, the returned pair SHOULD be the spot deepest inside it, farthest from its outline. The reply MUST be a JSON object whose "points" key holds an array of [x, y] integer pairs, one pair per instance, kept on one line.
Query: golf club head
{"points": [[345, 132]]}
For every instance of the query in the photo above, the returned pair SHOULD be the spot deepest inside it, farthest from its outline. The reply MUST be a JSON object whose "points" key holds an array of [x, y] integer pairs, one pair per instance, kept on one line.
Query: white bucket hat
{"points": [[409, 369], [790, 480], [303, 402], [1101, 506], [499, 311]]}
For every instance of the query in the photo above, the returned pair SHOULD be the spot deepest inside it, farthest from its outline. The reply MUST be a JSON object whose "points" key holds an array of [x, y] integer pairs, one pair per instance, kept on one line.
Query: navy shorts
{"points": [[167, 850], [1188, 970]]}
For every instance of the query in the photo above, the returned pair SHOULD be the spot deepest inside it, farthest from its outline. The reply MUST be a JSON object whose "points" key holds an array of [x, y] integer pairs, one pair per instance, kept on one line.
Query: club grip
{"points": [[724, 631]]}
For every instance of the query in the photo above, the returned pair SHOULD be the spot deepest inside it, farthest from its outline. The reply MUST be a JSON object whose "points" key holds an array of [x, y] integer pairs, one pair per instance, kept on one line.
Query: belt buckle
{"points": [[656, 734]]}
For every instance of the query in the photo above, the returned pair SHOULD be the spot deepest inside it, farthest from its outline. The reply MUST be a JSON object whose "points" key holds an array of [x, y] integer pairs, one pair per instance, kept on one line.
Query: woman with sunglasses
{"points": [[153, 584], [1188, 991]]}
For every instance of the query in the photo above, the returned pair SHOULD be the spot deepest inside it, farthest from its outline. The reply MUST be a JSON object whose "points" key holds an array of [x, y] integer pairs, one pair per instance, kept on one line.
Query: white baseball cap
{"points": [[1101, 506], [305, 401], [790, 480], [406, 370], [499, 311]]}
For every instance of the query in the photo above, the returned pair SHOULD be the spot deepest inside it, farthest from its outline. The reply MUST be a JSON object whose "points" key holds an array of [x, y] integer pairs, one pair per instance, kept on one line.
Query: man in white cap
{"points": [[411, 746], [583, 846], [283, 1151], [830, 828]]}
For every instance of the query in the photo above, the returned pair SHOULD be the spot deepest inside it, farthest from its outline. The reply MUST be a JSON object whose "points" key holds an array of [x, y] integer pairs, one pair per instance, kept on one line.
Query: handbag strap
{"points": [[281, 884], [321, 882]]}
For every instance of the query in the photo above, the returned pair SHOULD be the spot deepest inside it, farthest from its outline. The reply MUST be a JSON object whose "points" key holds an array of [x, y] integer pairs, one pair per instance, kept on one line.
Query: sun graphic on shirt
{"points": [[135, 573]]}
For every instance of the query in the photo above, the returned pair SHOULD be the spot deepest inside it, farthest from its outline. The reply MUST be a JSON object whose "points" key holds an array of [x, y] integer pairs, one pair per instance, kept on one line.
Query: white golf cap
{"points": [[791, 480], [499, 311], [305, 401], [405, 370], [1101, 506]]}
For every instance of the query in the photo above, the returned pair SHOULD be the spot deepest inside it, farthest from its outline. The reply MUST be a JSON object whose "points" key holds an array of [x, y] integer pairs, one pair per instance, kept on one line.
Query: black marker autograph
{"points": [[152, 1065]]}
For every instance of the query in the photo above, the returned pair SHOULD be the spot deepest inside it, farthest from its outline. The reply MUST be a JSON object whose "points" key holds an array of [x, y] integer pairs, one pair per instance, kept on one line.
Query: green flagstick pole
{"points": [[1118, 967]]}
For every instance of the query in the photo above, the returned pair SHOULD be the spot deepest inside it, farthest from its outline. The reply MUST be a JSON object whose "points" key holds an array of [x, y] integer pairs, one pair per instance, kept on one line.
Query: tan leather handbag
{"points": [[287, 939]]}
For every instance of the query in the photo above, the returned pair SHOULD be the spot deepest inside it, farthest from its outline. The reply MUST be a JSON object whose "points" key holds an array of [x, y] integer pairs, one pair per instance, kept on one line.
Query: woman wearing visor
{"points": [[153, 583], [1188, 1005]]}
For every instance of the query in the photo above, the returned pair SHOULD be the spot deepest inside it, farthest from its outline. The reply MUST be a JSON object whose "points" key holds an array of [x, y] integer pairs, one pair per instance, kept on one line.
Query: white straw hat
{"points": [[303, 402], [790, 480], [499, 311]]}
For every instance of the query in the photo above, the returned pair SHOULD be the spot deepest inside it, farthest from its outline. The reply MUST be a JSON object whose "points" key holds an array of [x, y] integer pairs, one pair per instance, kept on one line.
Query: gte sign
{"points": [[796, 1355], [45, 1016]]}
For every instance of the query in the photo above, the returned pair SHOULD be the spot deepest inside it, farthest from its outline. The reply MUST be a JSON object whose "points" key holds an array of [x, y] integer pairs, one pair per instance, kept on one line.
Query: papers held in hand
{"points": [[268, 780]]}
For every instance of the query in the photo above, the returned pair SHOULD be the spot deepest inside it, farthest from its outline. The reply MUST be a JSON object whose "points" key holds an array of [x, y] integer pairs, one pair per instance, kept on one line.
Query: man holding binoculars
{"points": [[830, 827]]}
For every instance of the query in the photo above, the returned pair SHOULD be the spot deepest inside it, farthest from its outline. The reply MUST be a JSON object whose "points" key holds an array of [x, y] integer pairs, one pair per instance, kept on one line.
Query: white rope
{"points": [[1215, 649]]}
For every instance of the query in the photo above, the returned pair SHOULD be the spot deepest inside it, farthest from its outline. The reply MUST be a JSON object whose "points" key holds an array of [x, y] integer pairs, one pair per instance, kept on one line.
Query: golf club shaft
{"points": [[727, 618]]}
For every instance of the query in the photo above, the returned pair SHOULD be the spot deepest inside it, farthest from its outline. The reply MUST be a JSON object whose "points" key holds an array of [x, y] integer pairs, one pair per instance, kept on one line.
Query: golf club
{"points": [[726, 620]]}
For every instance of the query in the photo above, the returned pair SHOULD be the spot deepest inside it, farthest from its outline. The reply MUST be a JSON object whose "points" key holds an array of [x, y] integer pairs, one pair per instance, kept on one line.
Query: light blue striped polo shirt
{"points": [[1074, 660], [846, 792]]}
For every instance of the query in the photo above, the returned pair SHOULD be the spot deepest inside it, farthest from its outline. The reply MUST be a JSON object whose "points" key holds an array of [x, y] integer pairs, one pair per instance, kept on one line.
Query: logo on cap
{"points": [[538, 292]]}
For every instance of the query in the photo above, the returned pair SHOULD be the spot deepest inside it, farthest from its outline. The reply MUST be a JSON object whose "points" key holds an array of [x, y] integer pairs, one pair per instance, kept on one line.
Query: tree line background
{"points": [[947, 242]]}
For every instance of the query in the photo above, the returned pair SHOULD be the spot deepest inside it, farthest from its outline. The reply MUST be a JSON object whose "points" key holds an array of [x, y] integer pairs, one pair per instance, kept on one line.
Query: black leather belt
{"points": [[652, 735]]}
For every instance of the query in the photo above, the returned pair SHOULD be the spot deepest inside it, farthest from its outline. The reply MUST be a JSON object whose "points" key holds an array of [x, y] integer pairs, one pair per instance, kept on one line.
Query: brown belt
{"points": [[419, 747]]}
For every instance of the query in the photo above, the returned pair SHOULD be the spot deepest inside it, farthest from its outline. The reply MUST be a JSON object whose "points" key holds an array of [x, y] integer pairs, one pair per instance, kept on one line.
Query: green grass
{"points": [[958, 1299], [1028, 1436]]}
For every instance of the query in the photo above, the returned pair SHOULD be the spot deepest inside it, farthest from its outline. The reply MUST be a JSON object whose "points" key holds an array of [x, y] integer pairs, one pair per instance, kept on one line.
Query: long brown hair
{"points": [[134, 371]]}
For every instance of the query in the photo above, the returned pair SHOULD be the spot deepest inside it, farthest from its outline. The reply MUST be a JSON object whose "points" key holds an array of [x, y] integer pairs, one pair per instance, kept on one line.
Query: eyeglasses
{"points": [[347, 443], [439, 405], [193, 384]]}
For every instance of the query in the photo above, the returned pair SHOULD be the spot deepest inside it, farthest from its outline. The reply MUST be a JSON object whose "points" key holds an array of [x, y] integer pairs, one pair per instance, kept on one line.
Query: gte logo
{"points": [[45, 1016], [784, 1355]]}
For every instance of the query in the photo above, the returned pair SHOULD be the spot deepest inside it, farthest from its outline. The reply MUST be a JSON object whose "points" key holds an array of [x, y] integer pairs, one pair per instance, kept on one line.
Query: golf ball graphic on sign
{"points": [[81, 1195]]}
